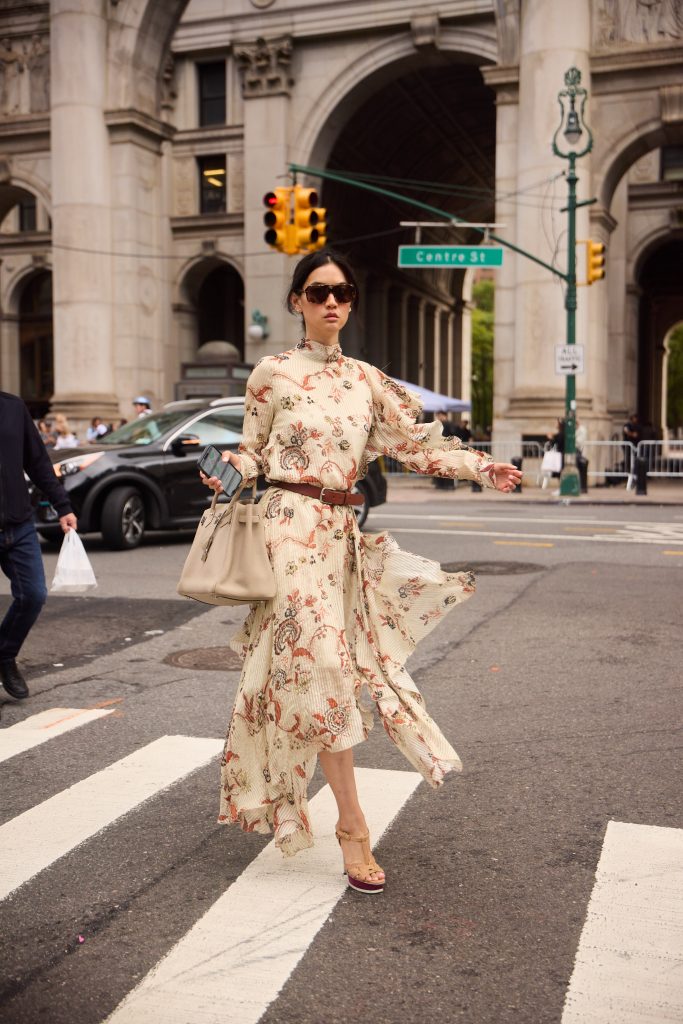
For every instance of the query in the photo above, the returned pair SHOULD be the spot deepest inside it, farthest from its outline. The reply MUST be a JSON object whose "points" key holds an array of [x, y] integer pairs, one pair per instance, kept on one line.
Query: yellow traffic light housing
{"points": [[309, 220], [595, 261], [276, 218]]}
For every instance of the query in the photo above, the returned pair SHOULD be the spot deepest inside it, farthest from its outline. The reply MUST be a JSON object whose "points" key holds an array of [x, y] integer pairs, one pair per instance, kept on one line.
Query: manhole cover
{"points": [[493, 568], [210, 659]]}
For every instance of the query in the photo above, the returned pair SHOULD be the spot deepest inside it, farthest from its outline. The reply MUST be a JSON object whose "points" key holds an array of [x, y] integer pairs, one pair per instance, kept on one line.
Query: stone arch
{"points": [[139, 40], [19, 186], [342, 95], [646, 246], [190, 282], [25, 329], [636, 142]]}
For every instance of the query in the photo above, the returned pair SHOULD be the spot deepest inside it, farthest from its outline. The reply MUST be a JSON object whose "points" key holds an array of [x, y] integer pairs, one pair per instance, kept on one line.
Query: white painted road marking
{"points": [[550, 519], [624, 538], [42, 727], [629, 965], [32, 841], [235, 960]]}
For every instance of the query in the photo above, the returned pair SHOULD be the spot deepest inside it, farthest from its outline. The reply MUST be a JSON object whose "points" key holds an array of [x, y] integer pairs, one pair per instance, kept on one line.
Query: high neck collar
{"points": [[316, 350]]}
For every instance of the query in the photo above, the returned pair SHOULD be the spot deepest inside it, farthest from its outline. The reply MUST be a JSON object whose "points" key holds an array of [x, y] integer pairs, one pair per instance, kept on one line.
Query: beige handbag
{"points": [[228, 562]]}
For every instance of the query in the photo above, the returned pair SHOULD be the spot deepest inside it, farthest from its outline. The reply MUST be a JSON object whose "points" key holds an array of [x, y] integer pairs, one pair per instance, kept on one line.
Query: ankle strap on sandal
{"points": [[348, 838]]}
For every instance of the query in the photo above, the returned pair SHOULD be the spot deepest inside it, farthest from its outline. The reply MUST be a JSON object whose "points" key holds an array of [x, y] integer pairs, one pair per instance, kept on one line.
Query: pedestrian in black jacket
{"points": [[23, 451]]}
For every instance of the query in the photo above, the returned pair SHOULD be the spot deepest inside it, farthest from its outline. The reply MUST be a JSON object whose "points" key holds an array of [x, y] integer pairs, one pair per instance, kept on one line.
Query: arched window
{"points": [[35, 343]]}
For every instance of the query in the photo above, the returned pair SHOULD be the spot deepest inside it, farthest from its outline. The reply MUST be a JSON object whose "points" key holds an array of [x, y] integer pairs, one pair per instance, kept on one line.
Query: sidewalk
{"points": [[409, 488]]}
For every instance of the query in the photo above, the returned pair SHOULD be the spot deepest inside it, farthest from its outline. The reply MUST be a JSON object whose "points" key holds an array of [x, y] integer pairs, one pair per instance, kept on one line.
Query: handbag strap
{"points": [[235, 497]]}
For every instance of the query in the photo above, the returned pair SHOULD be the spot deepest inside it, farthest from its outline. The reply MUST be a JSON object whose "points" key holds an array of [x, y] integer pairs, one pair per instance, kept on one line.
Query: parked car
{"points": [[144, 476]]}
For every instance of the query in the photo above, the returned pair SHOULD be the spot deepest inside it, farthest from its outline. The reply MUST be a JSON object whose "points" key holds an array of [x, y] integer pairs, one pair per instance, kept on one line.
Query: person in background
{"points": [[65, 437], [462, 430], [23, 451], [632, 435], [96, 430], [46, 434], [580, 436], [142, 406], [449, 430]]}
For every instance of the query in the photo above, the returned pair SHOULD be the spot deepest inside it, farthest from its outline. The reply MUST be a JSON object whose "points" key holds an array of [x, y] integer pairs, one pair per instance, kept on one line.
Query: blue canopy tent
{"points": [[433, 402]]}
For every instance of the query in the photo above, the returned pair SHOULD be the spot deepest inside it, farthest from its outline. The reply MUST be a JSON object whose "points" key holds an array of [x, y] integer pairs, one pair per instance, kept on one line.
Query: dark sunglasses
{"points": [[318, 293]]}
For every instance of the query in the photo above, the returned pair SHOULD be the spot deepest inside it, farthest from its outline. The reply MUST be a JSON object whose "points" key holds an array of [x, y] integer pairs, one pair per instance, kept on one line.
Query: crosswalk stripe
{"points": [[39, 728], [607, 538], [235, 960], [32, 841], [629, 964]]}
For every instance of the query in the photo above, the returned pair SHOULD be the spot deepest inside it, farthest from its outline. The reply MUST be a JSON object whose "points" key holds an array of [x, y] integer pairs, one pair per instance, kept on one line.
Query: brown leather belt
{"points": [[327, 495]]}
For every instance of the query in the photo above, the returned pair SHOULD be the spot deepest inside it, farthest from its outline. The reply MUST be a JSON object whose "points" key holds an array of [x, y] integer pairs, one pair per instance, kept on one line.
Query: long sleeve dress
{"points": [[349, 607]]}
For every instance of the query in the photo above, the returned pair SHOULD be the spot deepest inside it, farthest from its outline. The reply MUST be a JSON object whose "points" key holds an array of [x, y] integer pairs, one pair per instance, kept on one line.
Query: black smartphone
{"points": [[211, 464]]}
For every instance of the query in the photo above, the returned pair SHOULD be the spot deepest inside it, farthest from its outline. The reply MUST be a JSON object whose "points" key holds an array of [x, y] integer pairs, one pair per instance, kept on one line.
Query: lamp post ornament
{"points": [[572, 100]]}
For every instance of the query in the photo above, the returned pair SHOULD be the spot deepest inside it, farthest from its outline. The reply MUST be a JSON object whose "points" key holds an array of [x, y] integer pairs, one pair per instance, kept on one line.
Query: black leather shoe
{"points": [[12, 680]]}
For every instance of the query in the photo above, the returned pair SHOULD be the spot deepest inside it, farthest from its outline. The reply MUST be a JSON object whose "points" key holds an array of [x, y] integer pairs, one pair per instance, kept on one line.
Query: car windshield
{"points": [[147, 429]]}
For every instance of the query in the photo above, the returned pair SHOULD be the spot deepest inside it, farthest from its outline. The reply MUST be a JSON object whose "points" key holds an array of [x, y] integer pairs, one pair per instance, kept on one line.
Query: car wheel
{"points": [[361, 511], [123, 519]]}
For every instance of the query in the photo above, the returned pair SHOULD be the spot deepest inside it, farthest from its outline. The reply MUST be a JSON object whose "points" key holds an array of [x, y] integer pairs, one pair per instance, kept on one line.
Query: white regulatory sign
{"points": [[568, 359]]}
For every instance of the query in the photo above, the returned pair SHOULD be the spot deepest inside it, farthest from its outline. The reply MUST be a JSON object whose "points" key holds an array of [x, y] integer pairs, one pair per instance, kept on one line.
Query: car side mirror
{"points": [[184, 443]]}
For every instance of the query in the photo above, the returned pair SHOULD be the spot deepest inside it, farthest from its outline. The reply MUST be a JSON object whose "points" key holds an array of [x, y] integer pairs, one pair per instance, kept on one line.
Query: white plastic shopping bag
{"points": [[552, 461], [74, 573]]}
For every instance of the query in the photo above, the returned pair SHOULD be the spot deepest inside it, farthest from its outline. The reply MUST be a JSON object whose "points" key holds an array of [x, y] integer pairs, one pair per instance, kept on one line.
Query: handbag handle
{"points": [[233, 500]]}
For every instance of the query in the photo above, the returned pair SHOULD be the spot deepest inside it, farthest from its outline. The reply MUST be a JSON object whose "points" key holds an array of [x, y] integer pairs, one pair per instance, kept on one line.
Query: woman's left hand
{"points": [[506, 476]]}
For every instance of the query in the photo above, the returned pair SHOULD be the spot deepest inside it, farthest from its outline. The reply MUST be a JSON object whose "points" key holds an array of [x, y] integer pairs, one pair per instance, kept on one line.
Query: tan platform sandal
{"points": [[358, 873]]}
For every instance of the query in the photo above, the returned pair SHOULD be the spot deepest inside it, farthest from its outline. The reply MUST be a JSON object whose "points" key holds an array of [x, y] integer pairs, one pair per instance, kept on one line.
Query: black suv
{"points": [[144, 476]]}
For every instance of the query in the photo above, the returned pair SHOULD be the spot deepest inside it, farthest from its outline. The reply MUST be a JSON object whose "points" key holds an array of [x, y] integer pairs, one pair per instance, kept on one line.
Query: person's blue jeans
{"points": [[22, 562]]}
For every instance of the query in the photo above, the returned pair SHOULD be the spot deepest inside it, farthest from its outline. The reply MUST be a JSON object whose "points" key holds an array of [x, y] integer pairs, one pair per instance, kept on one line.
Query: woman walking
{"points": [[349, 608]]}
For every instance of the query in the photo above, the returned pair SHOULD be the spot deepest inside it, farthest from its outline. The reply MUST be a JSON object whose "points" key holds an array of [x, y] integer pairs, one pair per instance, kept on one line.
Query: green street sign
{"points": [[428, 256]]}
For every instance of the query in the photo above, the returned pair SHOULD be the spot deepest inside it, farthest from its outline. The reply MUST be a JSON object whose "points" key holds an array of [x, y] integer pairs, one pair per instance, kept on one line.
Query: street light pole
{"points": [[572, 100]]}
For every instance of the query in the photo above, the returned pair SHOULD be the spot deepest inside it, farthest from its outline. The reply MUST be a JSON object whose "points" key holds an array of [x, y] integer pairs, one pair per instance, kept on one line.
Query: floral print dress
{"points": [[350, 607]]}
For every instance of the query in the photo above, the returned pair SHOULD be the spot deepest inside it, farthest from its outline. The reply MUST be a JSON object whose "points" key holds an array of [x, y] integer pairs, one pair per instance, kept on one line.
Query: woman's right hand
{"points": [[212, 481]]}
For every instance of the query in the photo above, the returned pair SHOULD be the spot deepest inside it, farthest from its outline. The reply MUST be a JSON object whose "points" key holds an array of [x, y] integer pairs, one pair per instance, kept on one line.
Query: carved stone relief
{"points": [[265, 66], [24, 76], [236, 183], [169, 89], [185, 184], [11, 68], [620, 23], [507, 24], [646, 169]]}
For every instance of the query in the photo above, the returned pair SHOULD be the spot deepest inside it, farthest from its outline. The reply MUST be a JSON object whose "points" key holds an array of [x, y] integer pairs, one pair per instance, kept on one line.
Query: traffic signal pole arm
{"points": [[366, 186]]}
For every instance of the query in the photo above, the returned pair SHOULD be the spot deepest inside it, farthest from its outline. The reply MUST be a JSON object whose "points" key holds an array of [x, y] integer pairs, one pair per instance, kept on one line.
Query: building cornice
{"points": [[317, 20], [134, 126], [207, 226], [25, 133], [637, 62]]}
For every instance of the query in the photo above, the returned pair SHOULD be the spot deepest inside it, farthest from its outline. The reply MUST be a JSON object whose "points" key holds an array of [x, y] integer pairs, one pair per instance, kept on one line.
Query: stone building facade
{"points": [[138, 137]]}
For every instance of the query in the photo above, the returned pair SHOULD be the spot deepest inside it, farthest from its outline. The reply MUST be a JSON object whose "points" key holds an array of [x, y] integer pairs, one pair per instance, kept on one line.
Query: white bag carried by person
{"points": [[74, 573], [552, 461]]}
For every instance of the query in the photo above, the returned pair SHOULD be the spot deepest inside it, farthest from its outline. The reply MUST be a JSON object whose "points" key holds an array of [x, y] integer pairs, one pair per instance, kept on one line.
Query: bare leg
{"points": [[338, 770]]}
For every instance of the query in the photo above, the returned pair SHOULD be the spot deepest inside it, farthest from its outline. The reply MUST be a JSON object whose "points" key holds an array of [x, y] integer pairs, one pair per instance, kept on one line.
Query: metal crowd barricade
{"points": [[662, 458], [610, 460], [502, 451]]}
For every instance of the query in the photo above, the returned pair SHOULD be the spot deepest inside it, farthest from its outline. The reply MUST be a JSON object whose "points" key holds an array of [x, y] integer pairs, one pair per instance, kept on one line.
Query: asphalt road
{"points": [[559, 684]]}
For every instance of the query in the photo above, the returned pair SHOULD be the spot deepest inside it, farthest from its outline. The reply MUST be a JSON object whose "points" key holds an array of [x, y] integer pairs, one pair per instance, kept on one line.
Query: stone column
{"points": [[81, 211], [266, 82], [549, 45], [145, 357]]}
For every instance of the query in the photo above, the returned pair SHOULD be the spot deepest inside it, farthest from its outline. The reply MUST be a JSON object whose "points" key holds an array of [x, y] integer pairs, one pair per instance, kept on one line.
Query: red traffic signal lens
{"points": [[270, 199]]}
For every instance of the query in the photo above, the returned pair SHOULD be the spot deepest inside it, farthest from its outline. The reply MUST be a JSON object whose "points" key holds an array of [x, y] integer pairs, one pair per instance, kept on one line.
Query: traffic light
{"points": [[276, 218], [309, 220], [595, 261]]}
